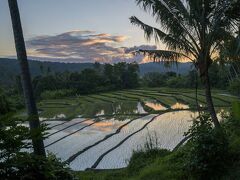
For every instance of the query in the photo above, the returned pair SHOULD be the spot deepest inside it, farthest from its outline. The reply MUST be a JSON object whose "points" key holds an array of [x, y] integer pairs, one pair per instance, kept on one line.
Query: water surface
{"points": [[155, 105]]}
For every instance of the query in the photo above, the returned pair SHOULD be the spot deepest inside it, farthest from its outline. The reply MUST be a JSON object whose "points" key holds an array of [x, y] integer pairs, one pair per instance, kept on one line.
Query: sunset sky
{"points": [[76, 30]]}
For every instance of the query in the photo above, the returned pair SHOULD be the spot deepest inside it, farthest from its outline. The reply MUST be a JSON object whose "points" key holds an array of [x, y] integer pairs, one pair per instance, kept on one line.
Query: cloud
{"points": [[83, 46]]}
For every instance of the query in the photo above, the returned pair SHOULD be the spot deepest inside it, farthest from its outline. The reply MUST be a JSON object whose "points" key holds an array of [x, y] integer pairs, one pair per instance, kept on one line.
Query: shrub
{"points": [[154, 79], [234, 87], [208, 150], [176, 82], [146, 155], [16, 161], [141, 159], [30, 167], [4, 104], [236, 110]]}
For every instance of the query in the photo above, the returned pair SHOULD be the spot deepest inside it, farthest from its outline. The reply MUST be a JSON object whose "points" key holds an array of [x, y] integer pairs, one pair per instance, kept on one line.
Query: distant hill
{"points": [[180, 68], [9, 68]]}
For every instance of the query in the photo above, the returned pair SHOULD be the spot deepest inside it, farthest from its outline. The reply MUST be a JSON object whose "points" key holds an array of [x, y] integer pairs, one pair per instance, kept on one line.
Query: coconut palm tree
{"points": [[34, 122], [191, 30]]}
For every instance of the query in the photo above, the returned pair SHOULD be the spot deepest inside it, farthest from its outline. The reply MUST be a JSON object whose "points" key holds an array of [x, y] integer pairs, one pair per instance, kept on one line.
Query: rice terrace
{"points": [[120, 90], [101, 131]]}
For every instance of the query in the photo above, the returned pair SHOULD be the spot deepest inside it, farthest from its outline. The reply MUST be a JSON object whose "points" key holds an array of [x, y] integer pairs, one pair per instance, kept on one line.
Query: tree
{"points": [[154, 79], [34, 123], [191, 30], [41, 69], [4, 104], [230, 54]]}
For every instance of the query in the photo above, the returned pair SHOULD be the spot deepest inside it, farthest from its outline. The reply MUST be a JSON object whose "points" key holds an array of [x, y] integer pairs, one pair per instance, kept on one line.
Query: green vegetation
{"points": [[4, 104], [98, 79], [234, 87], [16, 159], [120, 76], [218, 75]]}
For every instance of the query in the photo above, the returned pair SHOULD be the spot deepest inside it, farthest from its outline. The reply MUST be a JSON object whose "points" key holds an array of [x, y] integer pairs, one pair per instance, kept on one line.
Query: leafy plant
{"points": [[16, 159], [234, 86], [208, 149], [146, 154], [4, 104], [236, 110]]}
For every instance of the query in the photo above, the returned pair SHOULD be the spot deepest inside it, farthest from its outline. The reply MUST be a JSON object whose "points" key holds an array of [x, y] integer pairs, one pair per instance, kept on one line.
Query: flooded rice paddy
{"points": [[103, 133]]}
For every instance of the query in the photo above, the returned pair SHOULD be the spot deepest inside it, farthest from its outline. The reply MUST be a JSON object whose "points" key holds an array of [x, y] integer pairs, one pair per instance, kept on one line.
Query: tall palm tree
{"points": [[191, 30], [34, 122]]}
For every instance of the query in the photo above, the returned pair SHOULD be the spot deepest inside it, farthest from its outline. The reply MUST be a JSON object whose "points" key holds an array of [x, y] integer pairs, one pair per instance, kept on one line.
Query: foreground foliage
{"points": [[16, 159], [207, 154]]}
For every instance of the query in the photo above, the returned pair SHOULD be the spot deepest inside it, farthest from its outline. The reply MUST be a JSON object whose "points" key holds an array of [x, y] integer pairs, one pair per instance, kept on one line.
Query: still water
{"points": [[168, 129]]}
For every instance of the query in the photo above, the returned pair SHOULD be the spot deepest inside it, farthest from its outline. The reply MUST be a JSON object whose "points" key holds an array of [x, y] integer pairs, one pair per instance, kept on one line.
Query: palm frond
{"points": [[173, 17], [172, 42], [163, 56], [233, 12], [189, 28]]}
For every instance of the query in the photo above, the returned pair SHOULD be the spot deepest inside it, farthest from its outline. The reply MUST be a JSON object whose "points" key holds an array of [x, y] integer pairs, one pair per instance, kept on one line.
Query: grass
{"points": [[153, 164]]}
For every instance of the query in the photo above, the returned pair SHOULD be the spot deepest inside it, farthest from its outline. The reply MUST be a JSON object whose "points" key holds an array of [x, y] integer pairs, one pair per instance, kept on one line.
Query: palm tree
{"points": [[34, 122], [191, 30]]}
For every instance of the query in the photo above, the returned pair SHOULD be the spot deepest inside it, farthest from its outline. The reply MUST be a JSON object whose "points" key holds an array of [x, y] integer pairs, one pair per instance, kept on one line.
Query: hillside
{"points": [[9, 68]]}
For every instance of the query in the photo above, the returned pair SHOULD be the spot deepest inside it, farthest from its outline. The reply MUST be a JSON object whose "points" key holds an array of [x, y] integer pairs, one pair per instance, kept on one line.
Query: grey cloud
{"points": [[83, 46]]}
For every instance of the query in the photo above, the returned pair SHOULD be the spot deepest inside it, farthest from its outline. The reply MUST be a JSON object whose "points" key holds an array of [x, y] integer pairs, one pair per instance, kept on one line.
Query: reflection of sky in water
{"points": [[169, 129], [100, 113], [58, 116], [180, 106], [120, 107], [87, 159], [140, 109], [106, 126], [155, 106], [78, 141]]}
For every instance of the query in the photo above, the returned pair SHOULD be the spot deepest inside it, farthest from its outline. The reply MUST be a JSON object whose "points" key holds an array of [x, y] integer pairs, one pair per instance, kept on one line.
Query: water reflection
{"points": [[180, 106], [58, 116], [168, 130], [120, 107], [100, 113], [140, 109], [154, 105]]}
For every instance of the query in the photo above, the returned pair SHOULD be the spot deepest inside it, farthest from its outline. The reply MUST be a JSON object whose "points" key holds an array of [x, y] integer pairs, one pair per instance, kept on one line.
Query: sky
{"points": [[77, 30]]}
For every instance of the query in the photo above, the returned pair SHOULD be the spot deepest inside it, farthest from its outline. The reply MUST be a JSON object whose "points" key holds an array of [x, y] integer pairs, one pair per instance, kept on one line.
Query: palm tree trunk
{"points": [[196, 94], [209, 100], [34, 122]]}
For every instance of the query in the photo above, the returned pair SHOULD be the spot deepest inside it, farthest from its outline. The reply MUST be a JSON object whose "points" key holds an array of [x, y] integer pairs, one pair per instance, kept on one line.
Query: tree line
{"points": [[111, 77], [107, 77]]}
